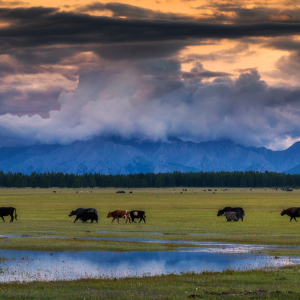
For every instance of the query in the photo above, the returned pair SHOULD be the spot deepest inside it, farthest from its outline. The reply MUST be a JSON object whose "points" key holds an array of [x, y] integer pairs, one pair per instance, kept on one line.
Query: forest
{"points": [[175, 179]]}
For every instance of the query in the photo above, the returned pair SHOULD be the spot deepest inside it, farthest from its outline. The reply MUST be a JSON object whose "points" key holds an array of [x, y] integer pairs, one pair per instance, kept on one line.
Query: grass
{"points": [[274, 284], [42, 212]]}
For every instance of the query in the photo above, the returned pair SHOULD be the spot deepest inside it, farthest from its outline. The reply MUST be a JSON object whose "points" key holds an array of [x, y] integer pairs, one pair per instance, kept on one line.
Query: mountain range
{"points": [[118, 156]]}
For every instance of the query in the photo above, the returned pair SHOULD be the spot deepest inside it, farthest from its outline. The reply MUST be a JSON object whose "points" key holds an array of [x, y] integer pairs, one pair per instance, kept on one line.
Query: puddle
{"points": [[25, 266]]}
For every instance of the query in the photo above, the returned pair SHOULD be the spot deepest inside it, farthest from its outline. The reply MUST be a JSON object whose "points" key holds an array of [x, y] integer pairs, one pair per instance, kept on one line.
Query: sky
{"points": [[150, 70]]}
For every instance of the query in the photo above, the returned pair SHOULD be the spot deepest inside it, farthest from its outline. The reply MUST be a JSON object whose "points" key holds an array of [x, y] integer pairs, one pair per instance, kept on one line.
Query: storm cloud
{"points": [[143, 103], [40, 26], [147, 74]]}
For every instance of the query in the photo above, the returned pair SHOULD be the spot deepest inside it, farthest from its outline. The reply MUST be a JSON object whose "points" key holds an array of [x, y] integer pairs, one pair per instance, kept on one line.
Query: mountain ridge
{"points": [[118, 156]]}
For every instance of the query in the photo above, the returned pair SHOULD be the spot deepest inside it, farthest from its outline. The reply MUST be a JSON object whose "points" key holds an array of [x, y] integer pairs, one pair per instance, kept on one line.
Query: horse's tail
{"points": [[16, 214]]}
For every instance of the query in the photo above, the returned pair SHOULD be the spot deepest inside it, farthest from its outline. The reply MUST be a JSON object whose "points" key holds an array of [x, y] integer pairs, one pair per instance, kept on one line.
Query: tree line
{"points": [[175, 179]]}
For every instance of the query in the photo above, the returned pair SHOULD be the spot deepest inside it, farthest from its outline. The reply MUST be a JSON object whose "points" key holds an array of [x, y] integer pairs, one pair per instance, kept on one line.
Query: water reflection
{"points": [[47, 266]]}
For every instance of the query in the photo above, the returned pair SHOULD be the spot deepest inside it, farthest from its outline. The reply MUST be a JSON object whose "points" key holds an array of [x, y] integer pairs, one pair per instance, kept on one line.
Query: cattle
{"points": [[85, 214], [54, 191], [8, 211], [137, 214], [293, 212], [231, 216], [89, 214], [240, 212], [120, 192], [117, 214]]}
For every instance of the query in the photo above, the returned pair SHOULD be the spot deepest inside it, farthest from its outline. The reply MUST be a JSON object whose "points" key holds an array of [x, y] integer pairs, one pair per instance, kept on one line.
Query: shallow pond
{"points": [[47, 266]]}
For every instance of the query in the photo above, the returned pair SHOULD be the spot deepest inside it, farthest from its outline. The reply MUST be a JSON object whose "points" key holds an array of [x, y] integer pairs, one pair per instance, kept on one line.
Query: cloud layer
{"points": [[71, 75], [156, 101]]}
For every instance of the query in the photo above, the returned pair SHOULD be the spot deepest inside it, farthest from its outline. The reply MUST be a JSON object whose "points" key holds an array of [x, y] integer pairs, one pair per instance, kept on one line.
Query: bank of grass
{"points": [[42, 212], [274, 284]]}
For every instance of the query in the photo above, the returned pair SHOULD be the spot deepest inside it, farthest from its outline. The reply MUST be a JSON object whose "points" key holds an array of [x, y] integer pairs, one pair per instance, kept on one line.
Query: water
{"points": [[25, 266], [208, 256]]}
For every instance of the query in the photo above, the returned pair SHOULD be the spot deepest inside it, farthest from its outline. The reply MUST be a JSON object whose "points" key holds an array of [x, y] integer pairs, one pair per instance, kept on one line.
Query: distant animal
{"points": [[118, 214], [293, 212], [76, 192], [231, 216], [8, 211], [137, 214], [85, 214], [54, 191], [120, 192], [130, 192], [240, 212]]}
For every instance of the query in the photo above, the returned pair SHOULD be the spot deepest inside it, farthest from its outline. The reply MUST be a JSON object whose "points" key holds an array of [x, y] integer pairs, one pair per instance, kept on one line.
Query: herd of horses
{"points": [[83, 214]]}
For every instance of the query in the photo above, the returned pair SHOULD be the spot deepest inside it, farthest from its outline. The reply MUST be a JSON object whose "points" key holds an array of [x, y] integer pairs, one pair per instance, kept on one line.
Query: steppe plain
{"points": [[174, 214]]}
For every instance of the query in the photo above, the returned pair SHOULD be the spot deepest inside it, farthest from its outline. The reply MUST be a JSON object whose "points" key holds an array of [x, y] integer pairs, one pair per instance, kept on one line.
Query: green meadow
{"points": [[44, 213], [276, 284], [176, 215]]}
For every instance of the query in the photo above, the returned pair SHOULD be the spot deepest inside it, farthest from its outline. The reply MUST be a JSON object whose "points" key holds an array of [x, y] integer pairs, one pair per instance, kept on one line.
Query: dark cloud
{"points": [[237, 13], [246, 70], [204, 74], [29, 102], [130, 78], [24, 15], [289, 64], [138, 51], [129, 103], [285, 44], [39, 26]]}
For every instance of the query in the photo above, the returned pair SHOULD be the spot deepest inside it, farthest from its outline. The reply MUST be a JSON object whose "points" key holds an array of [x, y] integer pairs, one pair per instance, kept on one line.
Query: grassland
{"points": [[42, 212], [277, 284]]}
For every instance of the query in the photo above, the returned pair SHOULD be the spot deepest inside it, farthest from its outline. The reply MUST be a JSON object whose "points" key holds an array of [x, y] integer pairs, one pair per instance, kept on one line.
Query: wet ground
{"points": [[18, 265], [219, 247], [27, 266]]}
